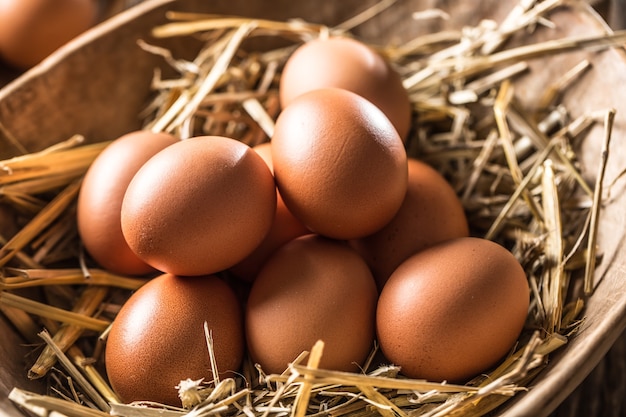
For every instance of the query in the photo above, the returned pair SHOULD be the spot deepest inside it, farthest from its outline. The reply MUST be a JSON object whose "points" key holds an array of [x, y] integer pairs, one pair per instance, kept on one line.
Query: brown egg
{"points": [[100, 199], [431, 213], [349, 64], [311, 289], [285, 227], [32, 29], [339, 164], [157, 339], [453, 310], [199, 206]]}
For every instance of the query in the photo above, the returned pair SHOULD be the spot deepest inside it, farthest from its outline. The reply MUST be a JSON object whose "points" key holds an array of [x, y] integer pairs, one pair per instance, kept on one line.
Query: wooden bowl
{"points": [[98, 84]]}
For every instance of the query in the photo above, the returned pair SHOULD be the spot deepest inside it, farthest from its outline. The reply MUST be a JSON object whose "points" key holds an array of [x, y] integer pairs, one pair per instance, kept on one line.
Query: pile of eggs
{"points": [[338, 235]]}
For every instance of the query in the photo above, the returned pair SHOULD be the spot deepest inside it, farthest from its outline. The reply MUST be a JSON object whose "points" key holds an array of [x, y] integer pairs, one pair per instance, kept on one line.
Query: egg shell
{"points": [[199, 206], [157, 339], [285, 227], [453, 310], [30, 30], [430, 213], [311, 289], [100, 198], [349, 64], [339, 164]]}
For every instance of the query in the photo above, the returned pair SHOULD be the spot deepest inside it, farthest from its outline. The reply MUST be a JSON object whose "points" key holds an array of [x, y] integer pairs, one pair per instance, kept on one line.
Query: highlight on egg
{"points": [[339, 164], [453, 310], [199, 206]]}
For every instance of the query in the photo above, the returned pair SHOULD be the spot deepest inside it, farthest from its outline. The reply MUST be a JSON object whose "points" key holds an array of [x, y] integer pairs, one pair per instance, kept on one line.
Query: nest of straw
{"points": [[515, 170]]}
